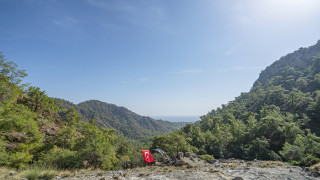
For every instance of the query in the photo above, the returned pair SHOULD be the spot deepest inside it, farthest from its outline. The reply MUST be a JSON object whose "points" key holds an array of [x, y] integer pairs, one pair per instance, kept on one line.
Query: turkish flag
{"points": [[147, 156]]}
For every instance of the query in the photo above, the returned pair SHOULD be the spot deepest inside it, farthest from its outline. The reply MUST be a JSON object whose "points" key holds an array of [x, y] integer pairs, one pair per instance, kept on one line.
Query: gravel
{"points": [[220, 170]]}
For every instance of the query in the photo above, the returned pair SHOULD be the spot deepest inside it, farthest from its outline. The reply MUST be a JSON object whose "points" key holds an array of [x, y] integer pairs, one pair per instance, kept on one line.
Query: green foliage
{"points": [[38, 172], [21, 133], [4, 156], [316, 64], [207, 157], [270, 122], [97, 146], [10, 78], [126, 122], [19, 159], [39, 102], [9, 72], [60, 158], [172, 143], [68, 134], [34, 130]]}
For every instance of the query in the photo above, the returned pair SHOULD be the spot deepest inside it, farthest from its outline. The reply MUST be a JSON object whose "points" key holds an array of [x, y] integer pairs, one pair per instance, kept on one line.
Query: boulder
{"points": [[180, 163], [12, 173], [188, 154], [237, 178]]}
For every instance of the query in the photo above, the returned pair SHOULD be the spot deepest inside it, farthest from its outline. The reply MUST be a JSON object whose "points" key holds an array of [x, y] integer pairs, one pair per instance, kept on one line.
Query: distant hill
{"points": [[130, 124]]}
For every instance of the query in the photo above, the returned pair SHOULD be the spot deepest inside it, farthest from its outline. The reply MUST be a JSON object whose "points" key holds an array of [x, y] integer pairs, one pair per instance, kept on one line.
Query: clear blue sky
{"points": [[155, 57]]}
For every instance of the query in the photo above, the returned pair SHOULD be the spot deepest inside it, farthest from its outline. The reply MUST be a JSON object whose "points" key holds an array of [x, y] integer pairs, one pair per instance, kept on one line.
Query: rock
{"points": [[191, 158], [23, 179], [12, 173], [180, 163], [188, 154], [237, 178], [103, 178]]}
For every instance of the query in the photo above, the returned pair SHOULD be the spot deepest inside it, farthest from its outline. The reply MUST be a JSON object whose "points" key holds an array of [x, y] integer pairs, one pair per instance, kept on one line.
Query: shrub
{"points": [[3, 153], [207, 157], [310, 160], [295, 163], [291, 152], [19, 159], [61, 158]]}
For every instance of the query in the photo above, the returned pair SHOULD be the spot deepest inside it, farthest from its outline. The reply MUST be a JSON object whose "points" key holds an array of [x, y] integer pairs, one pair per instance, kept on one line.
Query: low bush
{"points": [[207, 157], [61, 159]]}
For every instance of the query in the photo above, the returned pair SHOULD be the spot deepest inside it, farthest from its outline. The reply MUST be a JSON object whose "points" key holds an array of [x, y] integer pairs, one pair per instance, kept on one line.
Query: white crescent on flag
{"points": [[146, 154]]}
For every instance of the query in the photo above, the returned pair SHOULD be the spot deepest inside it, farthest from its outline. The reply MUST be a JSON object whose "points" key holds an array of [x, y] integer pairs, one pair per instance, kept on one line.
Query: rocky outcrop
{"points": [[297, 59]]}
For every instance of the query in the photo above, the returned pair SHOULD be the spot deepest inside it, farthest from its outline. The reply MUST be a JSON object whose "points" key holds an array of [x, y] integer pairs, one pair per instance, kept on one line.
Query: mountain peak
{"points": [[298, 59]]}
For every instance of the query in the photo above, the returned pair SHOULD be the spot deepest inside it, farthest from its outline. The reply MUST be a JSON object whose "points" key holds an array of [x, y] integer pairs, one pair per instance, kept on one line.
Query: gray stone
{"points": [[192, 159], [180, 155], [180, 163], [11, 173], [237, 178], [188, 154]]}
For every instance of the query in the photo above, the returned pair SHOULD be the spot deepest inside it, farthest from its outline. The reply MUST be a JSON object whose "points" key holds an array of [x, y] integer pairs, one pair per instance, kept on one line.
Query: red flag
{"points": [[147, 156]]}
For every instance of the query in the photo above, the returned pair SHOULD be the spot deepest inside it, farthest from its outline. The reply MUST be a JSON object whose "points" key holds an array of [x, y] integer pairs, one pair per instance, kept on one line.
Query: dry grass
{"points": [[315, 168], [271, 164], [231, 165], [4, 173], [33, 173], [213, 171], [190, 166]]}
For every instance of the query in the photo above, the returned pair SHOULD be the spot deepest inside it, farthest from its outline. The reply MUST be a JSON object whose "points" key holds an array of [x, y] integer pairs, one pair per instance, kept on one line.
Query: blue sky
{"points": [[157, 58]]}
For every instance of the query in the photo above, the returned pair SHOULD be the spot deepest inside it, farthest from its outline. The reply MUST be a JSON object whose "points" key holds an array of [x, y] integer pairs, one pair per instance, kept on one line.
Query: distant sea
{"points": [[178, 118]]}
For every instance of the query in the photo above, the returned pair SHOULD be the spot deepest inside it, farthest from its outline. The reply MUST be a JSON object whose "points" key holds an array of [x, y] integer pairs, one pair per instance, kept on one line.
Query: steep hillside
{"points": [[300, 60], [34, 131], [129, 123], [279, 119]]}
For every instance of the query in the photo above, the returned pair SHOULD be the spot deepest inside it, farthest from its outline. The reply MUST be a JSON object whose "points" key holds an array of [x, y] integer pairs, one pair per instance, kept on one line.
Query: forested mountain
{"points": [[279, 119], [129, 123], [35, 131]]}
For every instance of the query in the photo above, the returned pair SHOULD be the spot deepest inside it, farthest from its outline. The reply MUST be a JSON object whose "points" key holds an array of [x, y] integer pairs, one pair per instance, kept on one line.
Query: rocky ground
{"points": [[198, 169]]}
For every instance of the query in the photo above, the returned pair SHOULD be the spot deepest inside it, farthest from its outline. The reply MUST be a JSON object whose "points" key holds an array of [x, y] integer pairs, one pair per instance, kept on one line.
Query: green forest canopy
{"points": [[279, 119], [33, 132]]}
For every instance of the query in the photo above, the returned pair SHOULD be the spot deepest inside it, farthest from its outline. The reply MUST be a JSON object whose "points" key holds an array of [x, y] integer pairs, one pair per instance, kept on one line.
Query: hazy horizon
{"points": [[164, 58], [177, 118]]}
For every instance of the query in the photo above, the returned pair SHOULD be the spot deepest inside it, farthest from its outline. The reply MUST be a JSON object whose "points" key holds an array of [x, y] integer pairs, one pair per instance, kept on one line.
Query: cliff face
{"points": [[298, 59]]}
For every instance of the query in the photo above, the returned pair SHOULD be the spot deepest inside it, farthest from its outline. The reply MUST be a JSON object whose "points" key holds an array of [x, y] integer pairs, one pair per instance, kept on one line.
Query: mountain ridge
{"points": [[297, 59], [129, 123]]}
